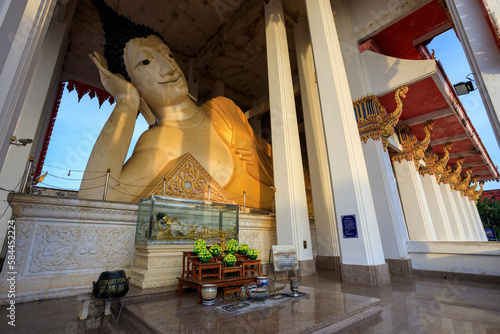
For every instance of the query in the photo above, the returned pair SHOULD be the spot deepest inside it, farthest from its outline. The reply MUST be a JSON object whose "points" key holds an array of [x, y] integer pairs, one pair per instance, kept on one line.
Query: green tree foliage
{"points": [[489, 211]]}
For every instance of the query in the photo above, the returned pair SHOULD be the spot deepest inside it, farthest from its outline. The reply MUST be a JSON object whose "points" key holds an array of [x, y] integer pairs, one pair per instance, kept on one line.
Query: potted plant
{"points": [[252, 254], [243, 249], [199, 245], [204, 255], [232, 246], [215, 250], [229, 260]]}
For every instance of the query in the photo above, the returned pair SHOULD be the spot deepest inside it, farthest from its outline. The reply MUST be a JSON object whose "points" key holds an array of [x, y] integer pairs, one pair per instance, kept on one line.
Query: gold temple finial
{"points": [[469, 192], [420, 147], [478, 193], [369, 113], [463, 183], [407, 140], [452, 175], [430, 159], [440, 165], [389, 122]]}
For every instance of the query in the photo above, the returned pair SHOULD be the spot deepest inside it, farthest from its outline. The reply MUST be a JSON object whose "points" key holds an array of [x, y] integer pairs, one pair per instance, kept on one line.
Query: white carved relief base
{"points": [[63, 244]]}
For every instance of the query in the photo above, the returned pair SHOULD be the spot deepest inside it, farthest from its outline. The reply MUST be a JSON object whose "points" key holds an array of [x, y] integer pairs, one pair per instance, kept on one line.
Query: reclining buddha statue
{"points": [[140, 72]]}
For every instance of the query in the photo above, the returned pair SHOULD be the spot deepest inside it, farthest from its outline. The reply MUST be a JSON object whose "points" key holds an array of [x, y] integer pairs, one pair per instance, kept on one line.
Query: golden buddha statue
{"points": [[143, 75]]}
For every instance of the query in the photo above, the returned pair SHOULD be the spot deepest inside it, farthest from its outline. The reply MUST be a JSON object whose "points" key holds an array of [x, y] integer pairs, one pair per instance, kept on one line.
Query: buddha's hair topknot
{"points": [[118, 31]]}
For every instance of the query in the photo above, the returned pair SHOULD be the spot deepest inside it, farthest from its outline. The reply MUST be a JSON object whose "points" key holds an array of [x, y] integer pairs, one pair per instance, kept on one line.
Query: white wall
{"points": [[482, 258]]}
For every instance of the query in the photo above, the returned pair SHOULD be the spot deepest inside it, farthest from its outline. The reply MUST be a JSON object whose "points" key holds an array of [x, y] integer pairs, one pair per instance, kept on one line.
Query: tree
{"points": [[489, 211]]}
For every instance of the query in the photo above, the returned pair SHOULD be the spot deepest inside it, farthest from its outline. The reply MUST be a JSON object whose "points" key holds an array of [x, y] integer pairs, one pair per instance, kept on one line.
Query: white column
{"points": [[479, 223], [437, 209], [38, 99], [351, 187], [452, 210], [292, 221], [324, 211], [19, 58], [464, 217], [385, 194], [472, 219], [418, 217]]}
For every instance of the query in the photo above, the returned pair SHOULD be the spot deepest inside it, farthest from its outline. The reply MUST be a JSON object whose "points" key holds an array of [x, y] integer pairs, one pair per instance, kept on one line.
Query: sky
{"points": [[451, 54], [78, 124]]}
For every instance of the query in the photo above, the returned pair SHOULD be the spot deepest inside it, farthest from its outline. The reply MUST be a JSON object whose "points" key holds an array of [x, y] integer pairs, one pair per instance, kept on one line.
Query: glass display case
{"points": [[164, 220]]}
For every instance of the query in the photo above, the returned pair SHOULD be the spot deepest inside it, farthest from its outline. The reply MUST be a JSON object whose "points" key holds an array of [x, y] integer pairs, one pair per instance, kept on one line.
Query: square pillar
{"points": [[418, 217], [362, 253], [292, 221], [322, 196], [437, 209], [452, 210]]}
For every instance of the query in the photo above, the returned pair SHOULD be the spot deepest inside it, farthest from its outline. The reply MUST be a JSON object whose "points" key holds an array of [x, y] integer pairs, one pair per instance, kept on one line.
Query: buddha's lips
{"points": [[171, 80]]}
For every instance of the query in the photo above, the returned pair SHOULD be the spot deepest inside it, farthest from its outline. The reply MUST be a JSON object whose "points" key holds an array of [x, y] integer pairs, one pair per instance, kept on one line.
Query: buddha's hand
{"points": [[115, 84]]}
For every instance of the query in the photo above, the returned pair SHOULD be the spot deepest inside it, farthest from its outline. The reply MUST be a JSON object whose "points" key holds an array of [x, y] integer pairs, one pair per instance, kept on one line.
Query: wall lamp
{"points": [[463, 88], [20, 142]]}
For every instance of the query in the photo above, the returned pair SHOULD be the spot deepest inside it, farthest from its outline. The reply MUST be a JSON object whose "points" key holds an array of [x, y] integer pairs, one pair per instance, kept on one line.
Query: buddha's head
{"points": [[139, 54], [153, 71]]}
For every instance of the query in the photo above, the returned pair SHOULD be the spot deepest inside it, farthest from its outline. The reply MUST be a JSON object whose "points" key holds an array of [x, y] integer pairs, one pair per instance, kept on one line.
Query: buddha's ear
{"points": [[146, 112]]}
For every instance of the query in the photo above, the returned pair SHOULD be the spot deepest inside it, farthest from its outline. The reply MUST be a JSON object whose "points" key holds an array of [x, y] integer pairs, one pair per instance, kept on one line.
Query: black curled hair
{"points": [[118, 31]]}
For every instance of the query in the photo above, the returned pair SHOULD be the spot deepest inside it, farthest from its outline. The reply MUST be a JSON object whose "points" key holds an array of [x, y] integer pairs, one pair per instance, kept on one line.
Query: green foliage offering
{"points": [[229, 260], [232, 242], [204, 255], [231, 248], [243, 249], [215, 250], [199, 245], [253, 253]]}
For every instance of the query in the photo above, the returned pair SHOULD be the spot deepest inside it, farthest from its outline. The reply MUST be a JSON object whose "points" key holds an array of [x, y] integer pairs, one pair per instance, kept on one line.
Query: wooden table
{"points": [[221, 283], [234, 269], [185, 261], [199, 267], [253, 264]]}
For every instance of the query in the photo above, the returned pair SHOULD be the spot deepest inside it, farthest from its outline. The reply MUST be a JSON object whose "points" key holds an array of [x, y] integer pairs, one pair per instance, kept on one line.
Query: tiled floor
{"points": [[410, 305]]}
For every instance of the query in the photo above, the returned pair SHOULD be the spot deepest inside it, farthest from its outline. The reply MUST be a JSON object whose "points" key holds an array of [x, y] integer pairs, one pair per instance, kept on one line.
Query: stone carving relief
{"points": [[61, 247]]}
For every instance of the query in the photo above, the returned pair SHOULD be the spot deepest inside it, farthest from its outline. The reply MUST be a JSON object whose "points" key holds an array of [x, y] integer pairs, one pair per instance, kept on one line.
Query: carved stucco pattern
{"points": [[25, 230], [77, 213], [63, 248]]}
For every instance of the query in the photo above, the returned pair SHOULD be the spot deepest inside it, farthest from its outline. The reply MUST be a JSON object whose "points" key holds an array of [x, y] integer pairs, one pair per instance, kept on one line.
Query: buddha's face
{"points": [[154, 72]]}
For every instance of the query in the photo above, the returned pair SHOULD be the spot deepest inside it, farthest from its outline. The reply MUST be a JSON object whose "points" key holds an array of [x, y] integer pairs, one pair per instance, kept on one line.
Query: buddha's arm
{"points": [[110, 149]]}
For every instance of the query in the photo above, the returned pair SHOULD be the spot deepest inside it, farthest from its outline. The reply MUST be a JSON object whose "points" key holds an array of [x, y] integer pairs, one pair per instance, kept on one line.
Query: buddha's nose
{"points": [[166, 68]]}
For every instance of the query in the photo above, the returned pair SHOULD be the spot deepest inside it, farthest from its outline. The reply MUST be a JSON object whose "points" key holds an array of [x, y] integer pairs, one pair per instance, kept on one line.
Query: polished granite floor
{"points": [[409, 305]]}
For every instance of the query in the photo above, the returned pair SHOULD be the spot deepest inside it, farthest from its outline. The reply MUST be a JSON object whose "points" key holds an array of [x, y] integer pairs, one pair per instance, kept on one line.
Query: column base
{"points": [[366, 275], [328, 262], [400, 267], [307, 267]]}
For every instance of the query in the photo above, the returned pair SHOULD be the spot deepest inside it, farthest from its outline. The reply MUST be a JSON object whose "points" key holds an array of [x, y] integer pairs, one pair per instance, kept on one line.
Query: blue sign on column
{"points": [[349, 227]]}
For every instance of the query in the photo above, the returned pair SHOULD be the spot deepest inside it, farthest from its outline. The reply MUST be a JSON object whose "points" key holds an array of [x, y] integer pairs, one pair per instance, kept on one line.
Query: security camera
{"points": [[25, 141]]}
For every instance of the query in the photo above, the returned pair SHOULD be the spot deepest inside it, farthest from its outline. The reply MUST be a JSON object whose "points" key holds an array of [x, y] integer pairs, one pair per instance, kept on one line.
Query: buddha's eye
{"points": [[146, 61]]}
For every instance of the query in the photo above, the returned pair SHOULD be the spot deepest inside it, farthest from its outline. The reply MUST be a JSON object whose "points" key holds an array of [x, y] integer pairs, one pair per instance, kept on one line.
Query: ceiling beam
{"points": [[443, 140], [463, 153], [424, 118], [474, 164], [481, 172], [240, 19]]}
